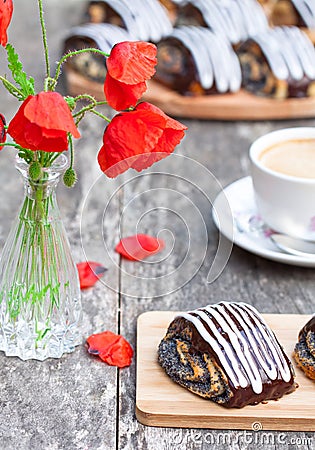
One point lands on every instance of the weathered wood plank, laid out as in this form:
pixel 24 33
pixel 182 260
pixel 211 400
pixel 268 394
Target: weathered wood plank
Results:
pixel 271 287
pixel 68 403
pixel 71 403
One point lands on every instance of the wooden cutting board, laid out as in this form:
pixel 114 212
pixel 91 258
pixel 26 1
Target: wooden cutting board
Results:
pixel 161 402
pixel 239 106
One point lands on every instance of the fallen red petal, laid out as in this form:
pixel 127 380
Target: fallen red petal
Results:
pixel 112 348
pixel 89 273
pixel 139 247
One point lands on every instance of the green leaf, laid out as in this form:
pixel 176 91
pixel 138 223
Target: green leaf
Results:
pixel 25 84
pixel 12 89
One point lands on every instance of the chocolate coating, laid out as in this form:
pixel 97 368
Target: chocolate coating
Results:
pixel 272 389
pixel 268 376
pixel 309 326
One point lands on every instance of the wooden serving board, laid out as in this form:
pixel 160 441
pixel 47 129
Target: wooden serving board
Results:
pixel 161 402
pixel 239 106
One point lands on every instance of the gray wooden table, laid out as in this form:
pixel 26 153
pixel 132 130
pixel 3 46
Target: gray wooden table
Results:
pixel 78 402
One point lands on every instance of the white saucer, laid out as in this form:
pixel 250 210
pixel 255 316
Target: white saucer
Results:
pixel 236 203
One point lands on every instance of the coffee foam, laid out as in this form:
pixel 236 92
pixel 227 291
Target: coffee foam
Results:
pixel 293 157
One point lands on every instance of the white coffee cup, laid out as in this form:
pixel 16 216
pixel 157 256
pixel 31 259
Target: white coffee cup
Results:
pixel 286 203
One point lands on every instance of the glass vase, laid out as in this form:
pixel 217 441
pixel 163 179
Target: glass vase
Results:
pixel 40 301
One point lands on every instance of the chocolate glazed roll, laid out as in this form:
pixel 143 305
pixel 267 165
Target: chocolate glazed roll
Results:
pixel 226 353
pixel 145 20
pixel 278 63
pixel 236 20
pixel 101 36
pixel 304 351
pixel 196 61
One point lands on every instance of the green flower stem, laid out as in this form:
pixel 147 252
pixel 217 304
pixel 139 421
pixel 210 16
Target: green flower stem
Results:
pixel 85 97
pixel 74 53
pixel 33 234
pixel 53 158
pixel 89 108
pixel 44 36
pixel 11 144
pixel 71 150
pixel 16 92
pixel 93 111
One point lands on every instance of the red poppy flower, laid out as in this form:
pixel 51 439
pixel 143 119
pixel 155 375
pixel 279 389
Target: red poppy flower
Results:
pixel 129 65
pixel 138 247
pixel 111 348
pixel 3 131
pixel 89 273
pixel 132 62
pixel 137 139
pixel 6 10
pixel 122 96
pixel 42 123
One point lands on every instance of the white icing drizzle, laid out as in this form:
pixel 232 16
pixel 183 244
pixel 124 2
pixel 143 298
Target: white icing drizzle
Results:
pixel 104 35
pixel 246 353
pixel 306 9
pixel 230 63
pixel 235 19
pixel 305 51
pixel 147 21
pixel 141 25
pixel 184 35
pixel 271 340
pixel 254 17
pixel 124 11
pixel 289 52
pixel 214 58
pixel 214 55
pixel 271 49
pixel 270 369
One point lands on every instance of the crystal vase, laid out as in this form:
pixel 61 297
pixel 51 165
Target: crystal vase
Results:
pixel 40 305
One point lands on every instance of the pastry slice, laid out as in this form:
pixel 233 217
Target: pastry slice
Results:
pixel 196 61
pixel 226 353
pixel 144 20
pixel 235 20
pixel 279 63
pixel 304 351
pixel 102 36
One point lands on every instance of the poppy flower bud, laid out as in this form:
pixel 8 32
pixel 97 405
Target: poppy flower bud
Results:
pixel 70 177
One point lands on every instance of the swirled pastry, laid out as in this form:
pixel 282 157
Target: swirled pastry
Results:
pixel 304 351
pixel 102 36
pixel 236 20
pixel 226 353
pixel 279 63
pixel 194 61
pixel 144 20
